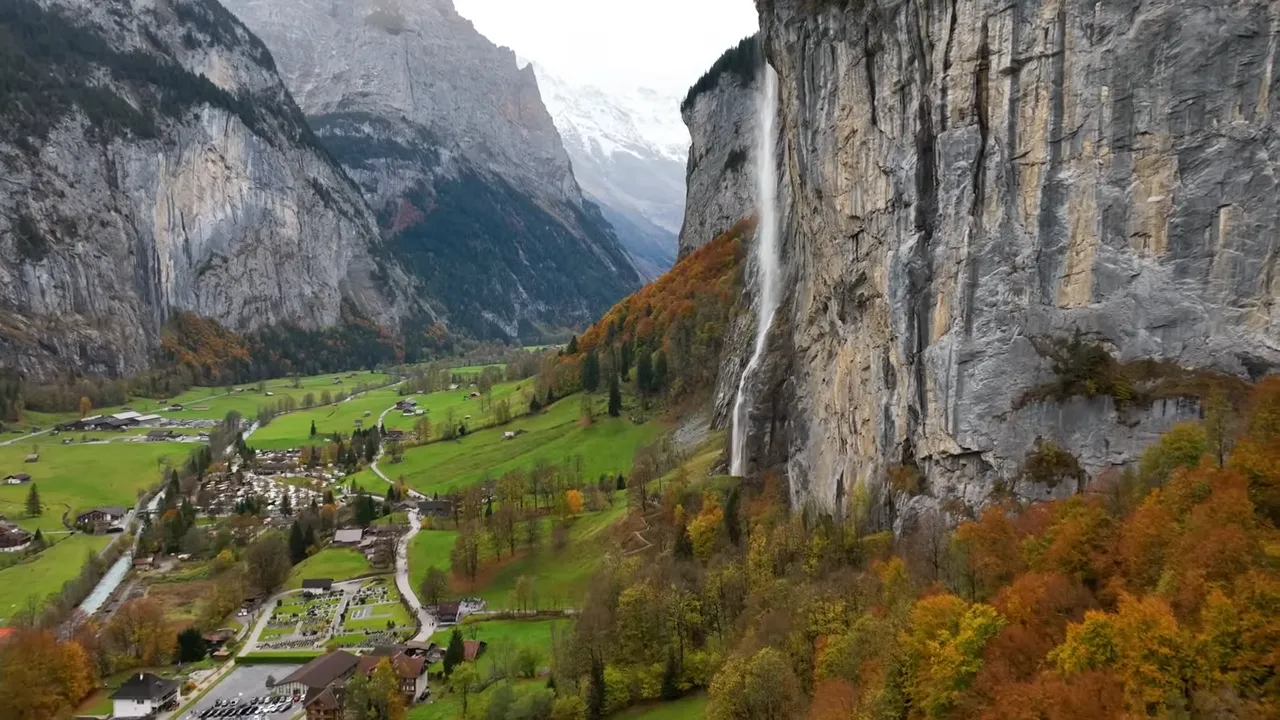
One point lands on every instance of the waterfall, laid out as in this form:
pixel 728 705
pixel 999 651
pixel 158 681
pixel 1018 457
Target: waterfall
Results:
pixel 767 270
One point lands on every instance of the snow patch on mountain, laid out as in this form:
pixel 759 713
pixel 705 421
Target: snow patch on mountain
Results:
pixel 629 148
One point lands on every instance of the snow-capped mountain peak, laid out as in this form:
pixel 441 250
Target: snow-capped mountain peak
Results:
pixel 629 147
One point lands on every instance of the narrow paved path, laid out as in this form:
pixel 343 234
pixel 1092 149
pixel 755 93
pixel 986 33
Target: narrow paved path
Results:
pixel 426 621
pixel 260 624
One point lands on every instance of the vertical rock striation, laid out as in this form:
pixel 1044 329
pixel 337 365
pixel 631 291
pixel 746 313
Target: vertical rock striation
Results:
pixel 970 178
pixel 151 161
pixel 720 112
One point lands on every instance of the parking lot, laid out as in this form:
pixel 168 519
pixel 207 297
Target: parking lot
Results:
pixel 235 696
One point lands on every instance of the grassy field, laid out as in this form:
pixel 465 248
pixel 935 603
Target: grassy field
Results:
pixel 559 578
pixel 214 403
pixel 337 564
pixel 429 548
pixel 46 574
pixel 77 477
pixel 294 429
pixel 554 435
pixel 506 638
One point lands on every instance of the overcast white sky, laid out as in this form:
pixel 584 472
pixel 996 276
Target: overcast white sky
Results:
pixel 662 44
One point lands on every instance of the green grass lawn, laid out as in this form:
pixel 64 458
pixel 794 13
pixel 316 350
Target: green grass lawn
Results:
pixel 337 564
pixel 294 429
pixel 45 575
pixel 78 477
pixel 554 435
pixel 381 613
pixel 559 578
pixel 215 402
pixel 693 707
pixel 506 638
pixel 429 548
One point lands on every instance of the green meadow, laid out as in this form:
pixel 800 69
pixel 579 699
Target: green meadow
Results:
pixel 74 478
pixel 555 435
pixel 336 564
pixel 44 575
pixel 559 577
pixel 294 429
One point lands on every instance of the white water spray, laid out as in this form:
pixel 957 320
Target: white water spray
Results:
pixel 767 270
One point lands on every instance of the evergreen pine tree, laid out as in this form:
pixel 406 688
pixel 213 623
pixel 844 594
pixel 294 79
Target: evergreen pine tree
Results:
pixel 590 371
pixel 684 544
pixel 286 505
pixel 615 398
pixel 309 538
pixel 624 360
pixel 644 372
pixel 573 346
pixel 455 653
pixel 38 539
pixel 596 691
pixel 174 491
pixel 297 545
pixel 660 371
pixel 33 502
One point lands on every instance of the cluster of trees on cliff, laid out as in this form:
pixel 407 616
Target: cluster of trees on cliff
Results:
pixel 744 60
pixel 666 338
pixel 1152 593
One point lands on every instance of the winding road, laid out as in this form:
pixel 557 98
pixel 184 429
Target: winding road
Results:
pixel 426 621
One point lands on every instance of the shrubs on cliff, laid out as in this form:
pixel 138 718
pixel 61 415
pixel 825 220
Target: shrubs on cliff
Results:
pixel 1083 367
pixel 1048 464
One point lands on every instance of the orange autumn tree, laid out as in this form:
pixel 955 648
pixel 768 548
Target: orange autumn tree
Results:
pixel 203 345
pixel 682 316
pixel 42 678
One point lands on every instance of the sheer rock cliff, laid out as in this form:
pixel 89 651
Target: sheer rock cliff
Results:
pixel 972 179
pixel 151 161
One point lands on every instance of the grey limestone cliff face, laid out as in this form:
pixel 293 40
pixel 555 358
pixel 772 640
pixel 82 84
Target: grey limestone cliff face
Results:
pixel 422 63
pixel 155 163
pixel 968 177
pixel 719 175
pixel 455 151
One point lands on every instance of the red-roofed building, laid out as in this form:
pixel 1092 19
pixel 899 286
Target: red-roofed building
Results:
pixel 412 672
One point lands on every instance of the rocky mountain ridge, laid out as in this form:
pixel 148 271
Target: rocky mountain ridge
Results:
pixel 629 151
pixel 154 162
pixel 453 147
pixel 974 184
